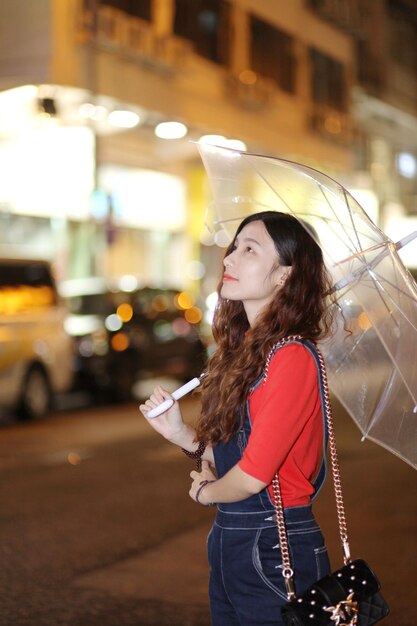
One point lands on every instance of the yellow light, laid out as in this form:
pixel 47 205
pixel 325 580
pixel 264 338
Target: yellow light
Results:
pixel 93 112
pixel 184 300
pixel 333 125
pixel 364 321
pixel 213 140
pixel 123 119
pixel 171 130
pixel 120 342
pixel 193 315
pixel 222 141
pixel 248 77
pixel 125 312
pixel 74 458
pixel 237 144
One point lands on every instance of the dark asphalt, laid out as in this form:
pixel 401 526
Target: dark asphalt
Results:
pixel 115 540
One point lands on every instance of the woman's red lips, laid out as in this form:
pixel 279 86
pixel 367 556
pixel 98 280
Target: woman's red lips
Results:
pixel 228 277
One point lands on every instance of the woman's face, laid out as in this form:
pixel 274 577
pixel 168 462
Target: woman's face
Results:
pixel 252 272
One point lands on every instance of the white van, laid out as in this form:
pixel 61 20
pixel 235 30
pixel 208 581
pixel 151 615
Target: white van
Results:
pixel 36 353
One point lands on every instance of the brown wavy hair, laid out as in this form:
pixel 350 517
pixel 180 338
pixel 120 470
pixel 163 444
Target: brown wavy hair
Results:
pixel 299 307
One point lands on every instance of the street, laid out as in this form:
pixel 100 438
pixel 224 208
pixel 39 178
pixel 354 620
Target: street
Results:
pixel 97 529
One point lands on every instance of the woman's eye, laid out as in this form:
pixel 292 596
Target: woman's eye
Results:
pixel 249 249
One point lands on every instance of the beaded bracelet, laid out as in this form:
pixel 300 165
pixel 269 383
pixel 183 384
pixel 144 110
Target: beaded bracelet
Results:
pixel 197 454
pixel 203 484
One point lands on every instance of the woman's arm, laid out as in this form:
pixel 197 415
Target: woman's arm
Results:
pixel 171 426
pixel 234 486
pixel 185 438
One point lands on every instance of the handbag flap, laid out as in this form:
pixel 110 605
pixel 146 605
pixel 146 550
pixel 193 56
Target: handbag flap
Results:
pixel 355 577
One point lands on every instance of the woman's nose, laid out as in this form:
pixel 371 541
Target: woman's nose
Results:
pixel 227 261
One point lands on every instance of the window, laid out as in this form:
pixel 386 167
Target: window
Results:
pixel 207 24
pixel 136 8
pixel 403 33
pixel 369 65
pixel 342 13
pixel 328 81
pixel 272 54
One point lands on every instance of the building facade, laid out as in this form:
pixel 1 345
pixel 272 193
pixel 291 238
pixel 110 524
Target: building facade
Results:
pixel 384 105
pixel 98 182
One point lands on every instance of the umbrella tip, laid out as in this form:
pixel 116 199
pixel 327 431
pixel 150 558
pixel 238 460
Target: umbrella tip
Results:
pixel 415 409
pixel 363 439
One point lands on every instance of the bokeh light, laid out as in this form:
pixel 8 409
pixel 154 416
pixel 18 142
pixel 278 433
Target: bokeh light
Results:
pixel 120 342
pixel 125 312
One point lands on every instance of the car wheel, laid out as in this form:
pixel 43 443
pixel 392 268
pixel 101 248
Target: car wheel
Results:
pixel 35 399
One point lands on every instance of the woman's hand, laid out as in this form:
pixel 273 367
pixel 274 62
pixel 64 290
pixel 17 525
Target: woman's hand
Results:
pixel 198 477
pixel 234 486
pixel 170 423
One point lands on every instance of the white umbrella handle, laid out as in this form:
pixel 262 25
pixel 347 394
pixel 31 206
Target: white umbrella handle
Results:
pixel 177 394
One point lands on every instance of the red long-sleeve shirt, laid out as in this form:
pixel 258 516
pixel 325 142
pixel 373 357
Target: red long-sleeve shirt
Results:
pixel 287 425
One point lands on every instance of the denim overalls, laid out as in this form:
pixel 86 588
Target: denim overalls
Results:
pixel 246 583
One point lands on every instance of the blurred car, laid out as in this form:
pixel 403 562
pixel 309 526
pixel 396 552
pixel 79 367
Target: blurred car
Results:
pixel 123 335
pixel 35 351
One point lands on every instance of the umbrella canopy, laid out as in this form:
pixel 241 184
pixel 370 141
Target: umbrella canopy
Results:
pixel 372 355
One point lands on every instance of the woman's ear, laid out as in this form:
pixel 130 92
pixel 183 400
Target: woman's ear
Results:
pixel 284 272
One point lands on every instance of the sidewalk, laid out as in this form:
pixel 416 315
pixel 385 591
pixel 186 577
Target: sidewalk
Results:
pixel 174 572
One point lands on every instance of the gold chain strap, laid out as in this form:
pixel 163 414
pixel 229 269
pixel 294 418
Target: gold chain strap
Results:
pixel 287 571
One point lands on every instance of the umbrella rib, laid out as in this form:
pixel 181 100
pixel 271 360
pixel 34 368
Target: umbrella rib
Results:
pixel 394 286
pixel 389 449
pixel 346 356
pixel 370 249
pixel 328 222
pixel 273 189
pixel 355 275
pixel 386 245
pixel 384 342
pixel 294 214
pixel 352 248
pixel 381 286
pixel 370 267
pixel 380 406
pixel 351 218
pixel 377 284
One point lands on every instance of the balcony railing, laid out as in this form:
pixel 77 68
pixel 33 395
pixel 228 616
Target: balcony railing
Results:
pixel 113 30
pixel 333 125
pixel 342 13
pixel 254 93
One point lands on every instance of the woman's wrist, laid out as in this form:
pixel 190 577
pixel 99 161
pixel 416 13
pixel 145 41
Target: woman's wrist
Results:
pixel 201 495
pixel 183 437
pixel 196 454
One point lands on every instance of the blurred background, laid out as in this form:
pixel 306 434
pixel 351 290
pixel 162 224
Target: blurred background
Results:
pixel 100 103
pixel 107 271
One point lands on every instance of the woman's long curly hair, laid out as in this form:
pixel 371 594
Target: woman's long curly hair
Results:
pixel 299 307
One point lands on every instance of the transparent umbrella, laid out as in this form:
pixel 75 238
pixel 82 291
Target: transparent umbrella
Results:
pixel 372 355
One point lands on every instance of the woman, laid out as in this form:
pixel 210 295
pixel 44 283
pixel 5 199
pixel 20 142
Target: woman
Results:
pixel 261 413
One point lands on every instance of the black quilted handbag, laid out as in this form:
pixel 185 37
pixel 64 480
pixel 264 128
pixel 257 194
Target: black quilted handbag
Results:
pixel 347 597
